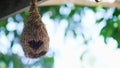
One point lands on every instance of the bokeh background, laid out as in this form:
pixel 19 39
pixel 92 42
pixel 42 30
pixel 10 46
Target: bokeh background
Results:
pixel 80 37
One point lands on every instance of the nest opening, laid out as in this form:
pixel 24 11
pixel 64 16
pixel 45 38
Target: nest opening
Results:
pixel 35 44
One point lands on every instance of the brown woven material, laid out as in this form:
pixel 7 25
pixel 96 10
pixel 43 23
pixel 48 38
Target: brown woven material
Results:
pixel 34 38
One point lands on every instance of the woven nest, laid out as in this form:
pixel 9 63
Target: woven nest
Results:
pixel 34 38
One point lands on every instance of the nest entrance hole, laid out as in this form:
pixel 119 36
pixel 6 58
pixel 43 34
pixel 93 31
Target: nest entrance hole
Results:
pixel 35 44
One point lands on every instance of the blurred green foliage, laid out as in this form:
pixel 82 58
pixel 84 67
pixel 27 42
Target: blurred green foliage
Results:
pixel 111 29
pixel 14 59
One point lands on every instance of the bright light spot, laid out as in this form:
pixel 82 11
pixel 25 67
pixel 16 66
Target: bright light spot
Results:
pixel 11 26
pixel 10 19
pixel 19 27
pixel 112 43
pixel 65 10
pixel 3 64
pixel 119 16
pixel 76 17
pixel 4 43
pixel 19 17
pixel 48 23
pixel 10 36
pixel 70 5
pixel 88 19
pixel 64 22
pixel 109 13
pixel 17 49
pixel 115 25
pixel 100 14
pixel 110 1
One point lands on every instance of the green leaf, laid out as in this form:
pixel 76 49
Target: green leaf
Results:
pixel 43 9
pixel 100 20
pixel 17 63
pixel 3 64
pixel 5 58
pixel 48 62
pixel 118 45
pixel 74 33
pixel 48 59
pixel 3 23
pixel 71 14
pixel 12 44
pixel 25 15
pixel 116 12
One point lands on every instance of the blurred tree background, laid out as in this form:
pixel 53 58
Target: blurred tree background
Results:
pixel 11 28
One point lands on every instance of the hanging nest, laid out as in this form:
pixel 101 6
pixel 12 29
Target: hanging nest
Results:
pixel 34 38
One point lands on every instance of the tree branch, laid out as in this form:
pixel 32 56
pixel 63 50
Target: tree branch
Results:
pixel 11 7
